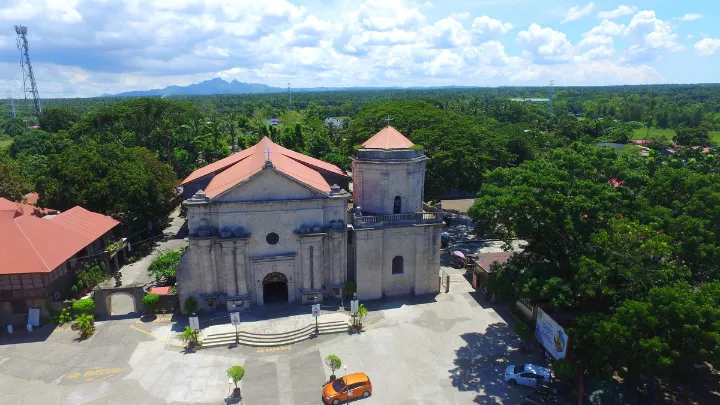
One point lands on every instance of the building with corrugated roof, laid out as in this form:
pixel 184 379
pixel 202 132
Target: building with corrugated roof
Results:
pixel 272 225
pixel 40 249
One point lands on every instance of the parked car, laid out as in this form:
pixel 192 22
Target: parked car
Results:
pixel 351 386
pixel 526 374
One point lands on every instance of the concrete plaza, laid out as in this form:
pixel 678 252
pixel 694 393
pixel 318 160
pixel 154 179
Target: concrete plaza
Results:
pixel 449 349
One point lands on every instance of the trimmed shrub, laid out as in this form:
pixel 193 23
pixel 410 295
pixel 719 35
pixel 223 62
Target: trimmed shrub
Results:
pixel 84 306
pixel 151 301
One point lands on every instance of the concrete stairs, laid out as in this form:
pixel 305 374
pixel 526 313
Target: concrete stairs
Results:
pixel 275 339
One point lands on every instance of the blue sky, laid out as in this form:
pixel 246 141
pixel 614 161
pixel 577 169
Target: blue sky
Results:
pixel 83 48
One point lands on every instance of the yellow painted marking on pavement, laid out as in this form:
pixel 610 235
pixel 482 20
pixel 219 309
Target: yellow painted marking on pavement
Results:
pixel 93 400
pixel 376 324
pixel 170 341
pixel 274 349
pixel 156 320
pixel 90 375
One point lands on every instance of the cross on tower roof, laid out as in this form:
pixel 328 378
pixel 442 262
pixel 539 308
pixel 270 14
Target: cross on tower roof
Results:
pixel 388 119
pixel 267 154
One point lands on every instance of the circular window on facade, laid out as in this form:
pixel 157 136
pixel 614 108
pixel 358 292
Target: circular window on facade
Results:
pixel 272 238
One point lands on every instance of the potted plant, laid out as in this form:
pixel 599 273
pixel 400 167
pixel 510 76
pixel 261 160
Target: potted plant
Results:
pixel 150 302
pixel 334 363
pixel 361 314
pixel 86 325
pixel 191 338
pixel 236 373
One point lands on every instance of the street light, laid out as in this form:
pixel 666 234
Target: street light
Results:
pixel 317 331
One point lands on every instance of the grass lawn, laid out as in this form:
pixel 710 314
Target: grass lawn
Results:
pixel 668 134
pixel 5 143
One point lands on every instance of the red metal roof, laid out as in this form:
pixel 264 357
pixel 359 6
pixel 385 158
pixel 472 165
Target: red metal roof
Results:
pixel 29 244
pixel 388 138
pixel 31 198
pixel 24 209
pixel 245 168
pixel 230 172
pixel 486 260
pixel 220 165
pixel 160 290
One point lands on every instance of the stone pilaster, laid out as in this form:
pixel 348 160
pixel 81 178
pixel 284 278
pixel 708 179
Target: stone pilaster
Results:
pixel 228 254
pixel 241 268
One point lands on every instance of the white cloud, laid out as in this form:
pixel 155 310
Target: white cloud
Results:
pixel 618 12
pixel 544 45
pixel 446 33
pixel 101 46
pixel 690 36
pixel 485 28
pixel 577 12
pixel 649 36
pixel 606 28
pixel 707 46
pixel 691 17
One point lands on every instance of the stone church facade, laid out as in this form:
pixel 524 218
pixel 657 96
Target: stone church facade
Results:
pixel 268 224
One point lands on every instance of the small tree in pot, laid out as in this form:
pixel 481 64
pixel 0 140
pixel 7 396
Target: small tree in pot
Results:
pixel 150 302
pixel 236 373
pixel 190 337
pixel 85 324
pixel 191 305
pixel 334 363
pixel 361 314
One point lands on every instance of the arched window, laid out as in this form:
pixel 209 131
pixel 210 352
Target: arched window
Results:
pixel 397 265
pixel 397 205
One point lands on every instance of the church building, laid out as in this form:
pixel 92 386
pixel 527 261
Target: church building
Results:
pixel 268 224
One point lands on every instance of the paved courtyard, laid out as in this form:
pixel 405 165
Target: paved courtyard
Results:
pixel 449 349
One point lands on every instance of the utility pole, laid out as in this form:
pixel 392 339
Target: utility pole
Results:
pixel 29 85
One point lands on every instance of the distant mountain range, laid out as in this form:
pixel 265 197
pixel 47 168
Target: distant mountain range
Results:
pixel 220 86
pixel 213 86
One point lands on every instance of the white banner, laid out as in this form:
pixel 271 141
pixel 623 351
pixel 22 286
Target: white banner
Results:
pixel 316 310
pixel 551 335
pixel 354 306
pixel 194 323
pixel 235 318
pixel 34 317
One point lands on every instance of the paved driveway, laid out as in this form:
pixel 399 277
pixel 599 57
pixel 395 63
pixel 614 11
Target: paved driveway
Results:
pixel 444 350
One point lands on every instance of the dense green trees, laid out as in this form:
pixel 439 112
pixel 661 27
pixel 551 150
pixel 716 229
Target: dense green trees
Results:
pixel 608 241
pixel 55 119
pixel 109 179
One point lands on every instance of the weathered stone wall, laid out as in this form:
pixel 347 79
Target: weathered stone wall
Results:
pixel 377 183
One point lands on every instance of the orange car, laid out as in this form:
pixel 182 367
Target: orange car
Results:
pixel 350 387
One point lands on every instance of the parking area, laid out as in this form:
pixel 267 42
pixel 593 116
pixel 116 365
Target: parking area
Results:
pixel 449 349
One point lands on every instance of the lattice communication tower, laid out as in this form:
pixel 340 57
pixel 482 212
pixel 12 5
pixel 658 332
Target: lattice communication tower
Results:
pixel 10 104
pixel 29 85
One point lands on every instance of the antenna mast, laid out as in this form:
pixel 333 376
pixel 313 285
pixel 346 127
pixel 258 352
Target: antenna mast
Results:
pixel 10 104
pixel 29 85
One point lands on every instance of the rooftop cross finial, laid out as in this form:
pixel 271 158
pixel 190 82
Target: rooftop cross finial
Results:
pixel 267 154
pixel 388 119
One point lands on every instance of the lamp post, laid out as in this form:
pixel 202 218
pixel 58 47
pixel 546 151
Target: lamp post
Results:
pixel 317 331
pixel 347 388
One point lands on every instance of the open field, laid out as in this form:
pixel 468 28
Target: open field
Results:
pixel 668 134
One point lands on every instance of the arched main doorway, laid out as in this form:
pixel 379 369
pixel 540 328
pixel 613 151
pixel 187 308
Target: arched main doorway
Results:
pixel 275 288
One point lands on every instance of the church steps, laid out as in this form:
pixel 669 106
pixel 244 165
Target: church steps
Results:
pixel 272 340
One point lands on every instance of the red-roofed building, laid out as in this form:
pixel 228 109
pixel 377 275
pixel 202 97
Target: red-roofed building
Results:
pixel 272 225
pixel 222 175
pixel 38 256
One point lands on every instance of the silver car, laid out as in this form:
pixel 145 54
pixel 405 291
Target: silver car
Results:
pixel 526 374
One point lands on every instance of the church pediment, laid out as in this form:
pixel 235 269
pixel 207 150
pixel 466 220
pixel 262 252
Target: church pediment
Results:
pixel 269 185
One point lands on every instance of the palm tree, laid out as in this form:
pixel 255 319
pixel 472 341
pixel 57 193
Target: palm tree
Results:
pixel 190 337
